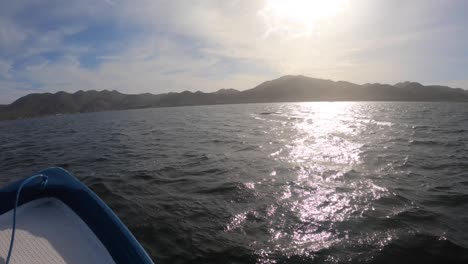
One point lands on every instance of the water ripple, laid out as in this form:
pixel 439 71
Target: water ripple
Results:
pixel 332 182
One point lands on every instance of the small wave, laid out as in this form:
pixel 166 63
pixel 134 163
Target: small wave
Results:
pixel 415 215
pixel 224 189
pixel 382 123
pixel 449 199
pixel 270 113
pixel 432 142
pixel 441 165
pixel 422 127
pixel 422 248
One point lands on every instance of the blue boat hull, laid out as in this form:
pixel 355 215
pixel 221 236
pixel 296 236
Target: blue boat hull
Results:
pixel 109 229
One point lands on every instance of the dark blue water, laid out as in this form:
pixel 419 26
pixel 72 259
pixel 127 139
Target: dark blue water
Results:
pixel 268 183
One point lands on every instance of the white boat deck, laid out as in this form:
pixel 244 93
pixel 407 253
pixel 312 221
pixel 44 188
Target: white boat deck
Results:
pixel 49 232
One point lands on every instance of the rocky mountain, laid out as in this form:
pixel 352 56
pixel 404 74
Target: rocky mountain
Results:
pixel 285 89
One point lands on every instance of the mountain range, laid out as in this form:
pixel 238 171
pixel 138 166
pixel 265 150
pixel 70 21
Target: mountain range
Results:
pixel 285 89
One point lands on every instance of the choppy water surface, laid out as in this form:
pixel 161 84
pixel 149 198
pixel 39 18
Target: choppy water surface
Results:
pixel 268 183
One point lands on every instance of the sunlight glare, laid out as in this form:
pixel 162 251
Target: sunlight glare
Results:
pixel 297 18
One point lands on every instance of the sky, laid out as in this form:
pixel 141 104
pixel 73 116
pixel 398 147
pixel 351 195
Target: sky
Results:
pixel 157 46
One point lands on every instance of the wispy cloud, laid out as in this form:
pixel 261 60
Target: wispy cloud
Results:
pixel 160 46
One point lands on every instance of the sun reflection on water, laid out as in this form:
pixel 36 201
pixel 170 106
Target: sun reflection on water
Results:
pixel 321 143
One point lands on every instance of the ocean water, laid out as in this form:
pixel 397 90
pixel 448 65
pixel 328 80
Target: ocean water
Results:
pixel 331 182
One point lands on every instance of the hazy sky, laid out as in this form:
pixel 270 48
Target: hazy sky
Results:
pixel 155 46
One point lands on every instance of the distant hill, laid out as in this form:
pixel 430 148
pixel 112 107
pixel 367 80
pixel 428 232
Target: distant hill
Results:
pixel 285 89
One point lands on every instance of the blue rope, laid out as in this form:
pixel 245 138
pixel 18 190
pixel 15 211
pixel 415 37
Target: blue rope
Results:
pixel 18 192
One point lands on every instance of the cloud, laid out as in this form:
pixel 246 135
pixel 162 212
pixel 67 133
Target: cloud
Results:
pixel 139 69
pixel 160 46
pixel 156 59
pixel 370 40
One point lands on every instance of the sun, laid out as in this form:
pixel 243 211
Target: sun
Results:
pixel 297 18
